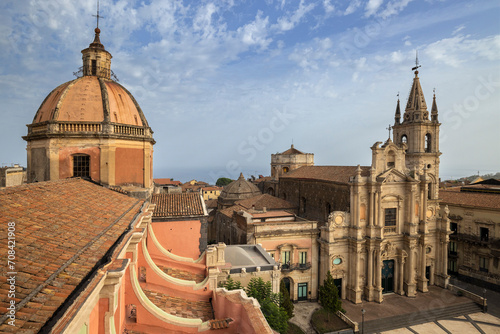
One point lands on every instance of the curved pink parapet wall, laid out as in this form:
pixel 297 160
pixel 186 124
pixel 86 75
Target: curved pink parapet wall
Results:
pixel 159 281
pixel 181 238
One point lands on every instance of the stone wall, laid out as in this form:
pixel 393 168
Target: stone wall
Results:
pixel 321 197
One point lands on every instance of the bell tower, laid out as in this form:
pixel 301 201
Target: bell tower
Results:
pixel 420 134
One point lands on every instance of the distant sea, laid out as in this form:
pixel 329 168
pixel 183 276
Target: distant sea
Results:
pixel 209 175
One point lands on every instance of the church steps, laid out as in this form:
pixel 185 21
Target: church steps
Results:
pixel 400 321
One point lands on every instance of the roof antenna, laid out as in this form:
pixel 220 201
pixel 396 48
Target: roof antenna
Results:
pixel 416 62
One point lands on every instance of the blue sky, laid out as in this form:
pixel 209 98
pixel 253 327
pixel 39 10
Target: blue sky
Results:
pixel 225 84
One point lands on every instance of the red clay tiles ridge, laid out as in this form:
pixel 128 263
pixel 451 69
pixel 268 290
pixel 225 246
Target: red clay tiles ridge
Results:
pixel 472 199
pixel 177 205
pixel 167 182
pixel 63 229
pixel 265 201
pixel 338 174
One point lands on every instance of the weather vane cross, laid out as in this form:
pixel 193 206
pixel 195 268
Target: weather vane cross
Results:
pixel 417 65
pixel 97 16
pixel 389 128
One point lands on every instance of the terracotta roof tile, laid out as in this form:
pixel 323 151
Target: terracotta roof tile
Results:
pixel 476 199
pixel 167 182
pixel 211 203
pixel 178 205
pixel 338 174
pixel 265 201
pixel 229 211
pixel 63 228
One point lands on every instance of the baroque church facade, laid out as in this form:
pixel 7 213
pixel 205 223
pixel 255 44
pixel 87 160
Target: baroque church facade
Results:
pixel 380 228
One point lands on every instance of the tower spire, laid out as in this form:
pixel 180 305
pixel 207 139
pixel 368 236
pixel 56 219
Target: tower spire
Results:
pixel 434 109
pixel 397 116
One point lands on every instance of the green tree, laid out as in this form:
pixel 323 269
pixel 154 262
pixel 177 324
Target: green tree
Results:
pixel 231 284
pixel 276 316
pixel 223 181
pixel 329 295
pixel 286 303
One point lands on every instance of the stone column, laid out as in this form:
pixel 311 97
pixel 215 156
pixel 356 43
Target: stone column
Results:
pixel 411 286
pixel 369 274
pixel 371 208
pixel 378 275
pixel 401 275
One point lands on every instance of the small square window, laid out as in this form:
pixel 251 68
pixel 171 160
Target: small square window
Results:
pixel 453 228
pixel 483 264
pixel 484 231
pixel 81 166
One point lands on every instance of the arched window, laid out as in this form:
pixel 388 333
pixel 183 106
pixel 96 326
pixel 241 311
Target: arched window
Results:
pixel 270 191
pixel 285 170
pixel 81 165
pixel 404 139
pixel 428 142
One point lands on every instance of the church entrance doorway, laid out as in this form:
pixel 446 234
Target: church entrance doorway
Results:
pixel 388 276
pixel 338 284
pixel 302 291
pixel 286 281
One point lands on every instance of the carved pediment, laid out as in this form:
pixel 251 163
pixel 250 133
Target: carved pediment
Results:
pixel 394 175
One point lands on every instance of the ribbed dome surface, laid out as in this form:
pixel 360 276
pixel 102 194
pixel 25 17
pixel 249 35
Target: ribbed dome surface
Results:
pixel 239 189
pixel 90 99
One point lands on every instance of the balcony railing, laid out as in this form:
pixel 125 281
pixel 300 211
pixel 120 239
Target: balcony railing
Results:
pixel 295 266
pixel 390 229
pixel 474 239
pixel 87 127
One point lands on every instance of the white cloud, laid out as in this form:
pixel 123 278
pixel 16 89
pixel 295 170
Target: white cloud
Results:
pixel 353 6
pixel 458 49
pixel 329 8
pixel 289 22
pixel 458 29
pixel 394 7
pixel 315 55
pixel 372 6
pixel 255 33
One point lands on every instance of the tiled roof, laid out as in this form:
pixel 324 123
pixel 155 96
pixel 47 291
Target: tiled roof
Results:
pixel 212 188
pixel 62 230
pixel 229 211
pixel 211 204
pixel 262 179
pixel 292 150
pixel 339 174
pixel 265 201
pixel 475 199
pixel 167 182
pixel 178 205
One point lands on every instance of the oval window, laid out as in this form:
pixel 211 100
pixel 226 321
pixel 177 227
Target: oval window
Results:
pixel 337 260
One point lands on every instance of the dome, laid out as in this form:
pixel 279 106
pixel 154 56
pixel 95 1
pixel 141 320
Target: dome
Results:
pixel 92 127
pixel 90 99
pixel 91 105
pixel 238 190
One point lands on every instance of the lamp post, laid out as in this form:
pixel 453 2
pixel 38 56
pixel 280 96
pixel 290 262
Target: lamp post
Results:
pixel 363 321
